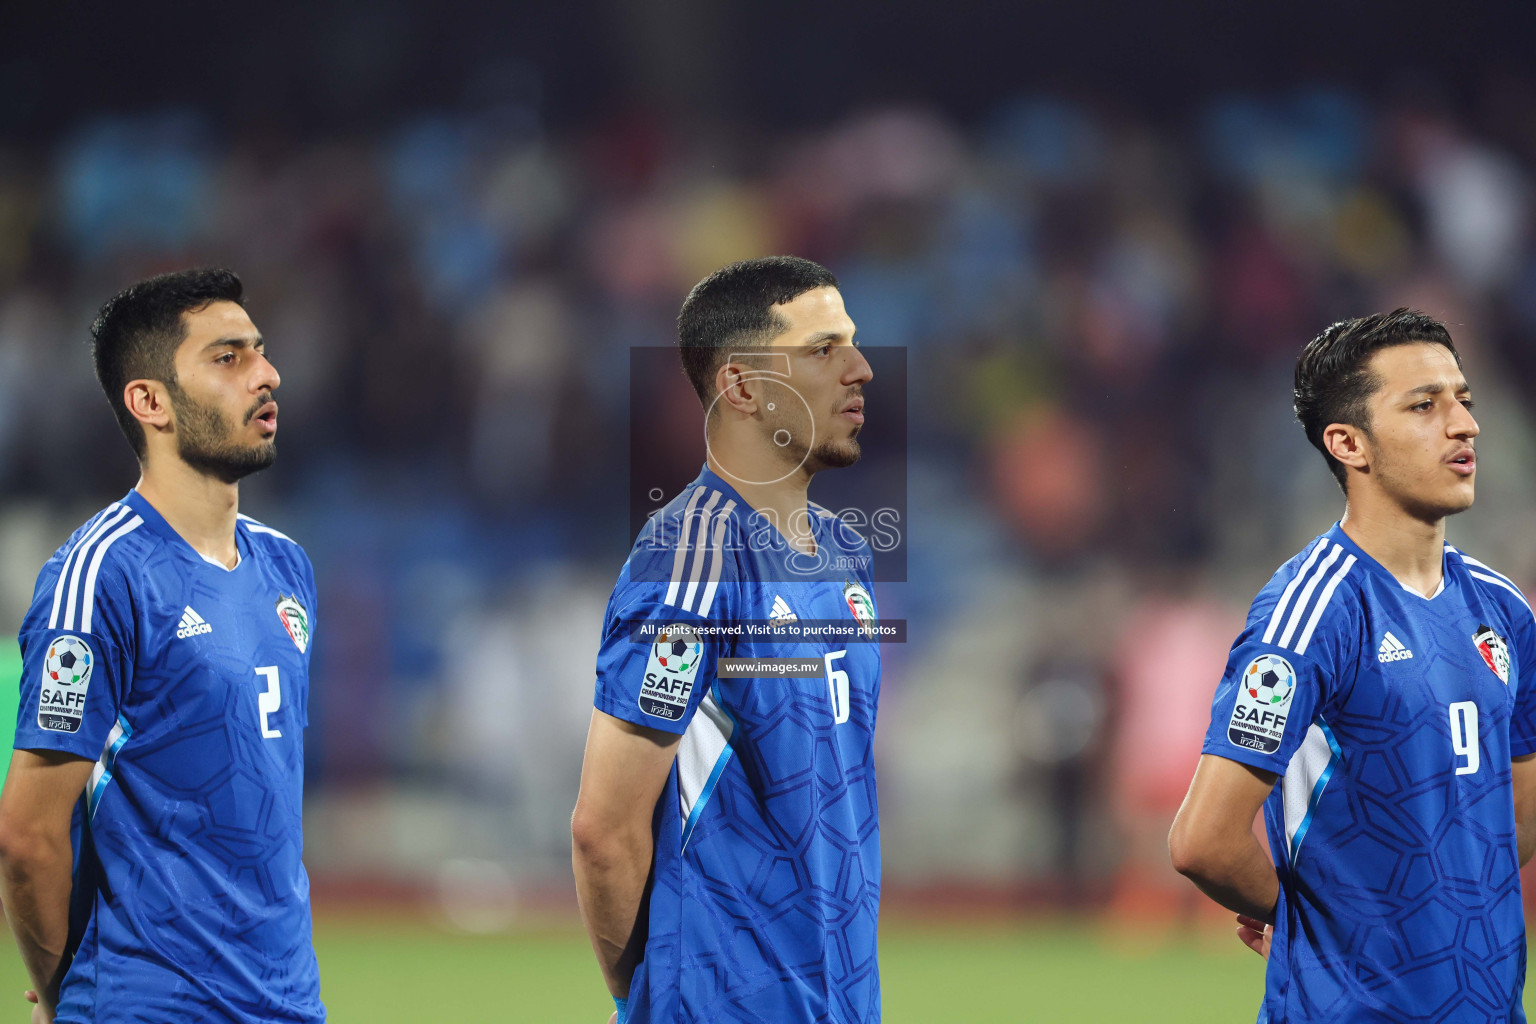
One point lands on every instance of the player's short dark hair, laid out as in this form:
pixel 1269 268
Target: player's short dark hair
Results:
pixel 732 309
pixel 137 331
pixel 1334 383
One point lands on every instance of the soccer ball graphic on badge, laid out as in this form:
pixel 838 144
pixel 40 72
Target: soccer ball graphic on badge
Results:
pixel 68 662
pixel 1270 680
pixel 677 649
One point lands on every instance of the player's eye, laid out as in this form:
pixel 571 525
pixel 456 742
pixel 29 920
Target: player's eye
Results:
pixel 1467 403
pixel 227 357
pixel 1423 406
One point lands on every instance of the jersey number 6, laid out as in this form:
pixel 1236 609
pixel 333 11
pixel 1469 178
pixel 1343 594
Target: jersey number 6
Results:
pixel 1464 736
pixel 269 701
pixel 837 687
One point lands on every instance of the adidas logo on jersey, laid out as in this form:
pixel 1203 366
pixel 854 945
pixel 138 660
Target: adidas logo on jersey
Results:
pixel 192 624
pixel 1392 649
pixel 781 612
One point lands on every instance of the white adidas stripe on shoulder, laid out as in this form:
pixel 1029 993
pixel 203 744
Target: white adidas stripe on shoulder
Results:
pixel 1488 575
pixel 717 555
pixel 1290 589
pixel 257 527
pixel 679 557
pixel 104 520
pixel 697 561
pixel 76 586
pixel 1325 567
pixel 1322 602
pixel 88 593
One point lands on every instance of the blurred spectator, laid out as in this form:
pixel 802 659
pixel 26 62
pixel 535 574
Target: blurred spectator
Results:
pixel 1100 313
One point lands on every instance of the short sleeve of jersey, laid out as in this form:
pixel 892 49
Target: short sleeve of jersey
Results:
pixel 1277 681
pixel 1522 722
pixel 663 634
pixel 77 661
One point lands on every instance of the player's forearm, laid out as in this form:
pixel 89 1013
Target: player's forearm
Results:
pixel 611 874
pixel 35 880
pixel 1237 874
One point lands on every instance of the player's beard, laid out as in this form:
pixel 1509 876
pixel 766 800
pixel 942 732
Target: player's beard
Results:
pixel 204 439
pixel 825 454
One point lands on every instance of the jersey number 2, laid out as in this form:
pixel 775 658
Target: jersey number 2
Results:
pixel 269 701
pixel 1464 736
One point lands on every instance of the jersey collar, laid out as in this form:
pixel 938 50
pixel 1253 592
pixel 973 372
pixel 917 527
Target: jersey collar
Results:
pixel 156 523
pixel 1338 536
pixel 709 478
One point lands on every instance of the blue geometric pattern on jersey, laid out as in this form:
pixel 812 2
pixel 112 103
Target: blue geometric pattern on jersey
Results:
pixel 1404 904
pixel 765 900
pixel 191 900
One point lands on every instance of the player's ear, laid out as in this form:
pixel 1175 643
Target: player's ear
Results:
pixel 736 388
pixel 1347 444
pixel 149 403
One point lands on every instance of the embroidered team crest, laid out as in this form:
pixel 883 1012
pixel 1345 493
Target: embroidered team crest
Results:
pixel 862 606
pixel 1494 650
pixel 295 620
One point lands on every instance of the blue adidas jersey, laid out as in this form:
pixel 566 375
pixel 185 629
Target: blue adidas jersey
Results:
pixel 1392 719
pixel 186 682
pixel 766 887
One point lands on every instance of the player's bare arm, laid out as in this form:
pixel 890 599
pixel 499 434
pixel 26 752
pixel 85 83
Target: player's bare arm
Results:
pixel 1212 841
pixel 622 774
pixel 1523 770
pixel 37 860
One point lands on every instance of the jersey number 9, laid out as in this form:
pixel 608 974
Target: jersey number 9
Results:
pixel 1464 736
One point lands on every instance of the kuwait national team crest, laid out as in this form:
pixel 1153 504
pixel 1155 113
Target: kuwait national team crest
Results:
pixel 1494 650
pixel 295 620
pixel 862 606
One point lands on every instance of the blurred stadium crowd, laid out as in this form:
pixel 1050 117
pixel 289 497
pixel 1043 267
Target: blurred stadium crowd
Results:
pixel 1099 315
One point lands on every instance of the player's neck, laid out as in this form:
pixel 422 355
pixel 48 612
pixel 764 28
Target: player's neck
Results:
pixel 201 508
pixel 783 501
pixel 1410 548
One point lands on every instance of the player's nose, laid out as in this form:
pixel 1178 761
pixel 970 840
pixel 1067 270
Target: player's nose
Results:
pixel 266 378
pixel 858 370
pixel 1464 424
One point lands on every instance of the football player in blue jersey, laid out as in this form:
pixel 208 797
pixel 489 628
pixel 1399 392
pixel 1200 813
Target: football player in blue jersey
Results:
pixel 726 842
pixel 1387 682
pixel 149 826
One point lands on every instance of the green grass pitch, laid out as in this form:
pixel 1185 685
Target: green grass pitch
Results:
pixel 1043 972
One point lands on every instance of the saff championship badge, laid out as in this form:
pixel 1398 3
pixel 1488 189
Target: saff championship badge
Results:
pixel 669 672
pixel 66 680
pixel 1264 694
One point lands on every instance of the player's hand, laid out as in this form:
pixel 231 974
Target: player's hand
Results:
pixel 1255 934
pixel 40 1015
